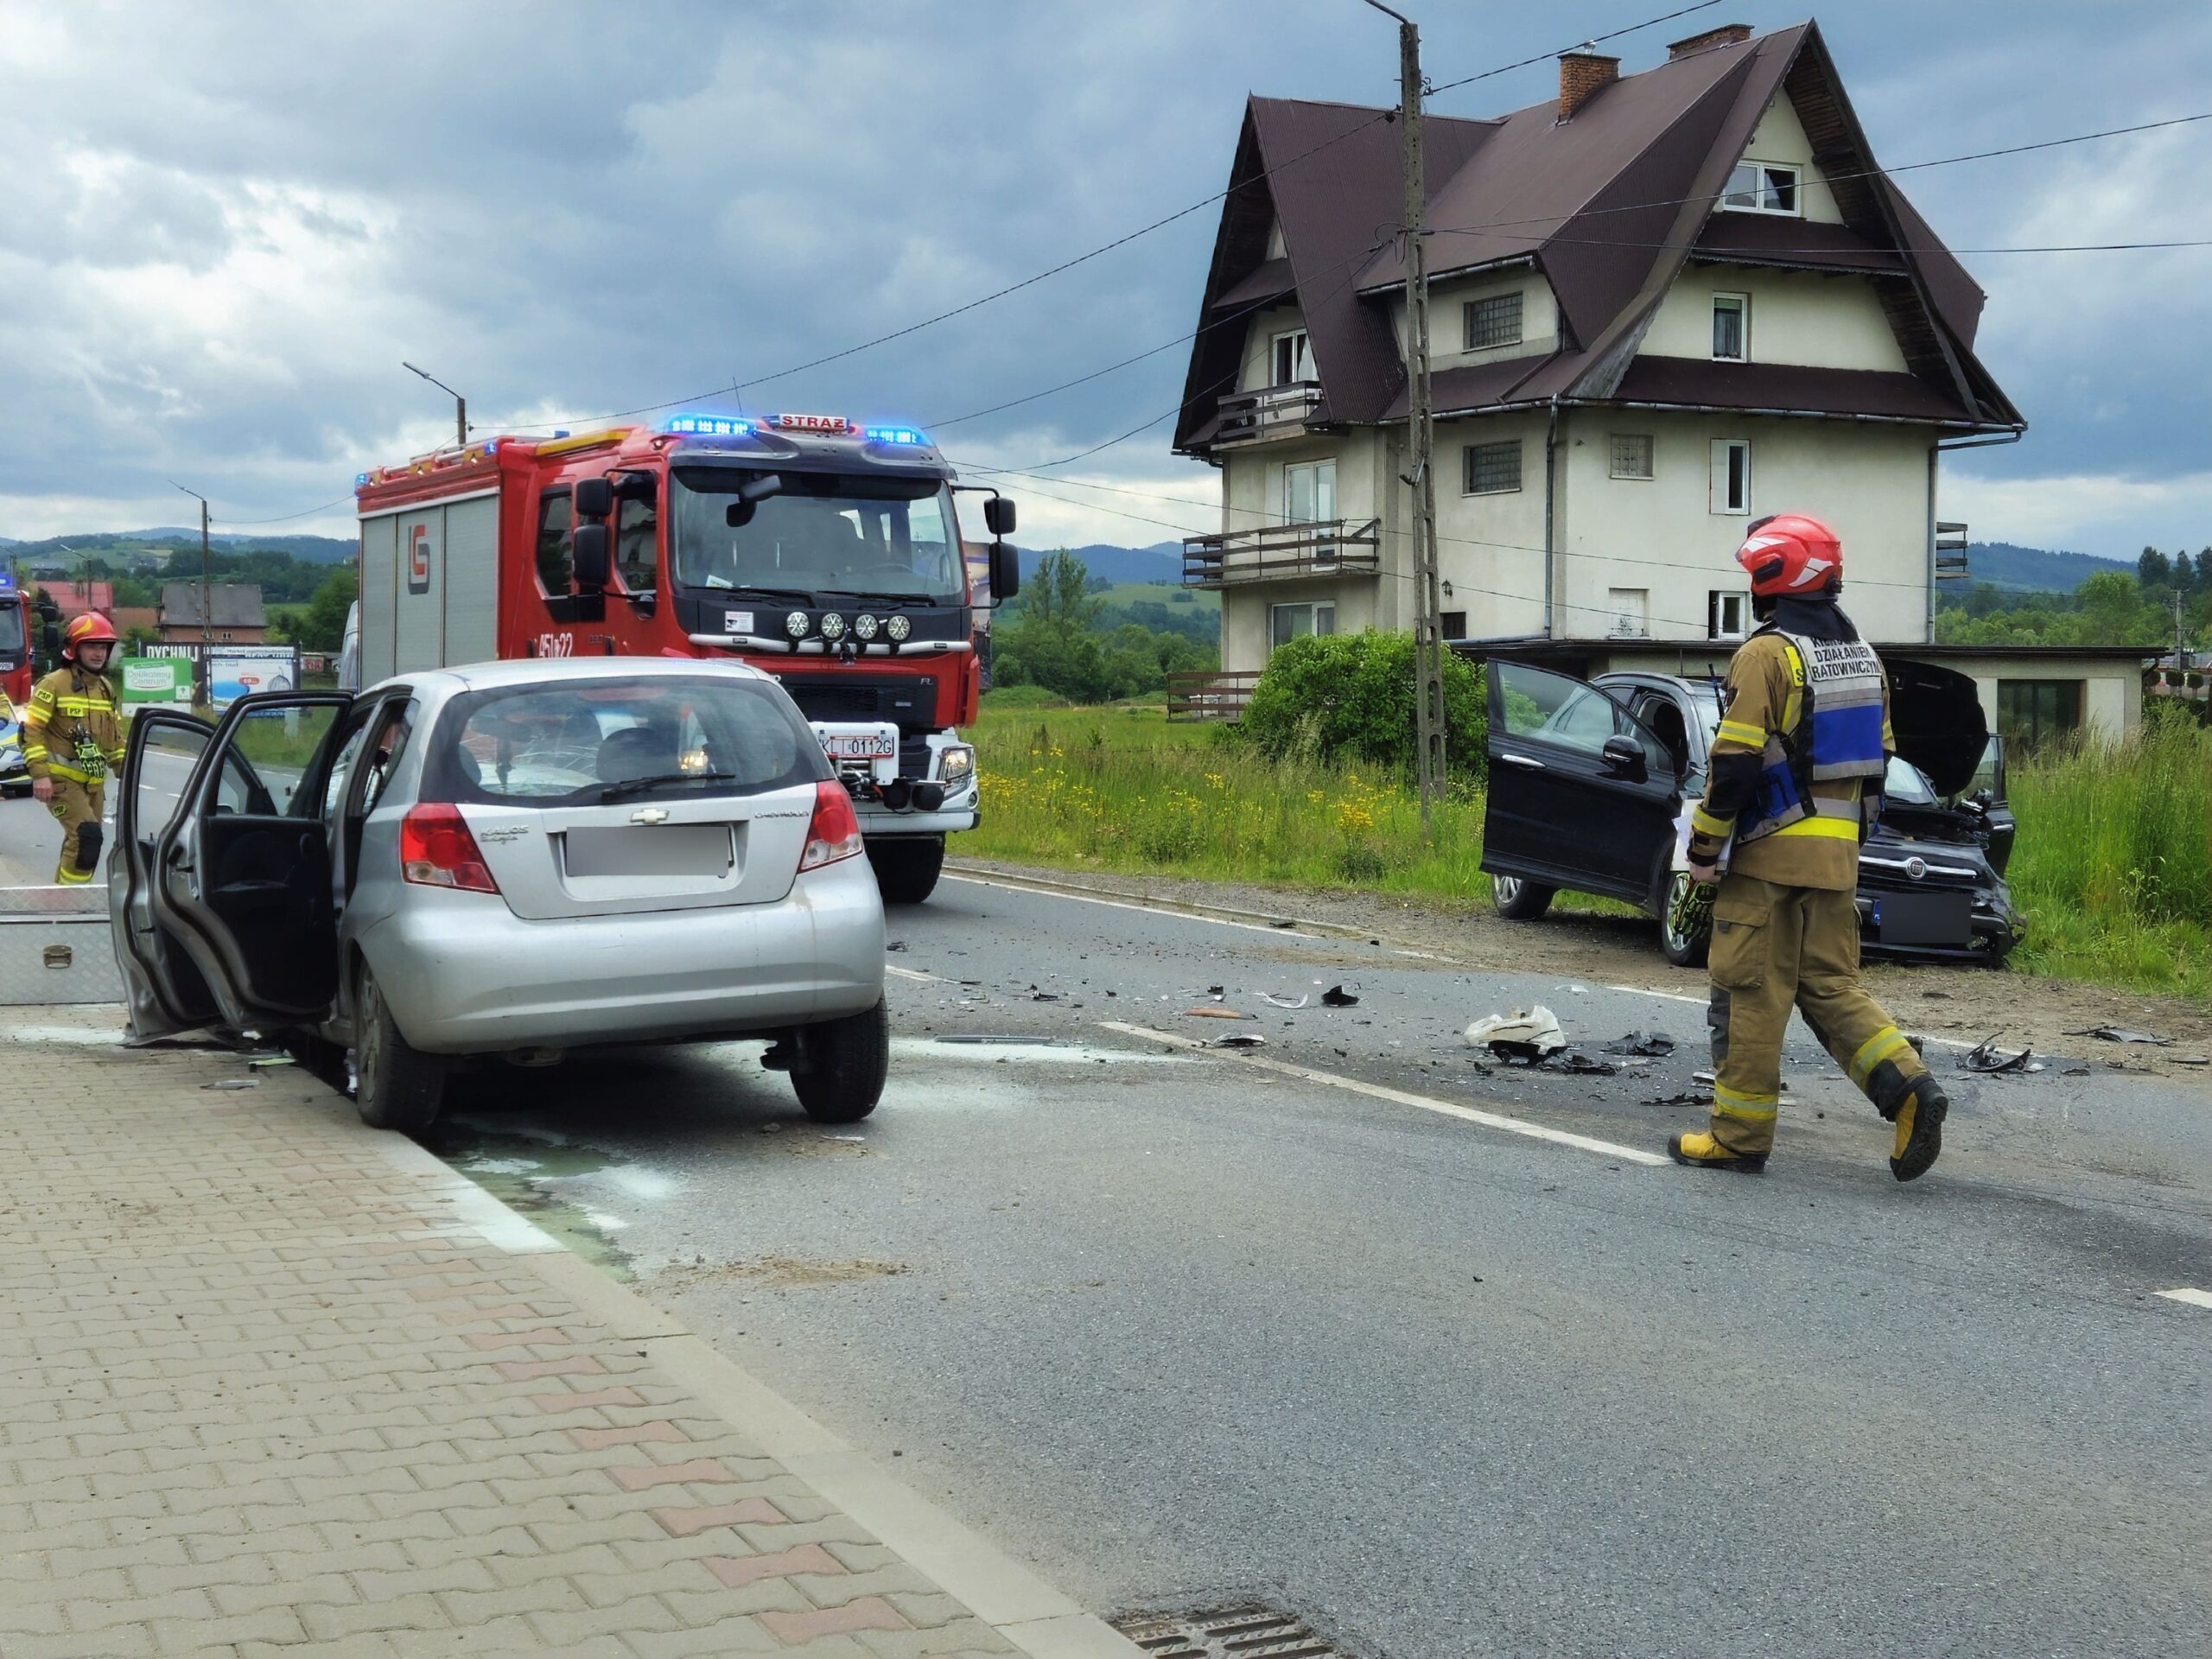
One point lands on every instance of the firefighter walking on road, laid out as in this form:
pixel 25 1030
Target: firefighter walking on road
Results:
pixel 72 738
pixel 1796 786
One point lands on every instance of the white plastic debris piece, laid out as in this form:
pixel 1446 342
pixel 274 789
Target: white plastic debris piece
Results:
pixel 1529 1033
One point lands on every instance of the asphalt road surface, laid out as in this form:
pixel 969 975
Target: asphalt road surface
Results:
pixel 1449 1361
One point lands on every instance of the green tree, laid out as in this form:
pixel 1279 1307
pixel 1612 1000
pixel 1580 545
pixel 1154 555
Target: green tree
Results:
pixel 1349 696
pixel 2154 568
pixel 321 626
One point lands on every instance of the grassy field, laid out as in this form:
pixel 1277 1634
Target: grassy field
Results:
pixel 2112 865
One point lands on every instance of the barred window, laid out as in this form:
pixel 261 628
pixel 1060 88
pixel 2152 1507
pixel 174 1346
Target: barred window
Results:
pixel 1631 454
pixel 1492 468
pixel 1493 321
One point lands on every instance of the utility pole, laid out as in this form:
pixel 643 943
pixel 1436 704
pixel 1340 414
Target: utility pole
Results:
pixel 1420 434
pixel 207 607
pixel 459 404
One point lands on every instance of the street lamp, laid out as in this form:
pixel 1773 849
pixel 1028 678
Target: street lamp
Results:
pixel 206 606
pixel 460 403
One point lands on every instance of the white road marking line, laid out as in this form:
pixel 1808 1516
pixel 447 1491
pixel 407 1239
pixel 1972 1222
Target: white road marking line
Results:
pixel 1700 1002
pixel 1149 910
pixel 2194 1298
pixel 912 973
pixel 1399 1096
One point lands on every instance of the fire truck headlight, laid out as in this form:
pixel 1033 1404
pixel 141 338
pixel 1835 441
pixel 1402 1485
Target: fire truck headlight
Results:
pixel 795 624
pixel 898 627
pixel 833 626
pixel 864 625
pixel 955 765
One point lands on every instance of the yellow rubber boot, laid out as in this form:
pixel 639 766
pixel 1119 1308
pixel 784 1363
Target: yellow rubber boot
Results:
pixel 1920 1130
pixel 1701 1151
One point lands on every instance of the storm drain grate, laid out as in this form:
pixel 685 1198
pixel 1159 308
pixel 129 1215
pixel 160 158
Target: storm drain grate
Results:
pixel 1238 1633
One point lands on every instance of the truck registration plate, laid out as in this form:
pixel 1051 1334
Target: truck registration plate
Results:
pixel 870 746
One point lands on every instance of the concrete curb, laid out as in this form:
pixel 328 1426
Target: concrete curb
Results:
pixel 1035 1617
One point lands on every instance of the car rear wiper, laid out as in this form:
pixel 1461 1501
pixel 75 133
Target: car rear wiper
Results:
pixel 638 785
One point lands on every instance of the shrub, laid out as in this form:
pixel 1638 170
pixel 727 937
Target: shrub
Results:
pixel 1349 697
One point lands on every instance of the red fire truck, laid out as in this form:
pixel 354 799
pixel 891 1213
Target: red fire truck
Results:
pixel 15 642
pixel 822 552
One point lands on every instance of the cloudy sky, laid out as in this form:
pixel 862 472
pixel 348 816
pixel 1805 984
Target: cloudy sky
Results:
pixel 222 226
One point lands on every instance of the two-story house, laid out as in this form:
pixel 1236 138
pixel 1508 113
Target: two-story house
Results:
pixel 1660 306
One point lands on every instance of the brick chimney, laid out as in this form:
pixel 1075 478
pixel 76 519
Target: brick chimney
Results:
pixel 1580 74
pixel 1727 35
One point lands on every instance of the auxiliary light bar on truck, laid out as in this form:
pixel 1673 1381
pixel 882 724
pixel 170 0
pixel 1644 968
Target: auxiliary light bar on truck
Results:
pixel 744 426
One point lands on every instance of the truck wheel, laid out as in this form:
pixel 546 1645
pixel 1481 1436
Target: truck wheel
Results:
pixel 396 1087
pixel 846 1061
pixel 1518 901
pixel 1686 946
pixel 907 867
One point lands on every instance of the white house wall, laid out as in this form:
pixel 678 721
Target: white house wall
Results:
pixel 1447 329
pixel 1258 371
pixel 1489 548
pixel 1780 138
pixel 1797 316
pixel 1869 481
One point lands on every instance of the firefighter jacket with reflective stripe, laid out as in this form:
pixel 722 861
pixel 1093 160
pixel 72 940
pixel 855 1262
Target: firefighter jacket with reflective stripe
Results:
pixel 72 727
pixel 1807 721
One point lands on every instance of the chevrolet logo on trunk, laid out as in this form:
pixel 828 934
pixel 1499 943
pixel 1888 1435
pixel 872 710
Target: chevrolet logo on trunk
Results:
pixel 649 815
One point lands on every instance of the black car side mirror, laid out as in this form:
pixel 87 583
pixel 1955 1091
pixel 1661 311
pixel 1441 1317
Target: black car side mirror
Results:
pixel 998 516
pixel 1006 572
pixel 1624 755
pixel 594 565
pixel 595 498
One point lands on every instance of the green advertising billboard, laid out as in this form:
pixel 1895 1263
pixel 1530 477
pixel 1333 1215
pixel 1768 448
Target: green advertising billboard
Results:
pixel 157 679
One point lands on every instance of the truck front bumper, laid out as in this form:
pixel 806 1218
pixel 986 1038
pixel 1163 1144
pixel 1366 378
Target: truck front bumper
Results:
pixel 959 812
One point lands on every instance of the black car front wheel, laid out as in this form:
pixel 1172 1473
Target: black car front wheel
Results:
pixel 846 1063
pixel 1685 923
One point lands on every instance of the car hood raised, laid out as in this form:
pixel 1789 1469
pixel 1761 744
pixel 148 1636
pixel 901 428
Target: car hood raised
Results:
pixel 1936 716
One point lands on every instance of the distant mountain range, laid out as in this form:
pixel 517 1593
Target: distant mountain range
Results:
pixel 1161 561
pixel 2033 569
pixel 116 544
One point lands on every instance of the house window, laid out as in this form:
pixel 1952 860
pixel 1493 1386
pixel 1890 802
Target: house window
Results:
pixel 1493 321
pixel 1490 468
pixel 2031 713
pixel 1631 454
pixel 1287 622
pixel 1629 609
pixel 1454 623
pixel 1294 359
pixel 1731 475
pixel 1731 327
pixel 1727 614
pixel 555 540
pixel 1309 492
pixel 1762 188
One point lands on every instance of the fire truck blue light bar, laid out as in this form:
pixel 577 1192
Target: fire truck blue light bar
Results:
pixel 710 426
pixel 895 434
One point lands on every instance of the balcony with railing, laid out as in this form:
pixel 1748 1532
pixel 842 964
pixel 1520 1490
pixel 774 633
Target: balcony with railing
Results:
pixel 1950 552
pixel 1333 547
pixel 1271 412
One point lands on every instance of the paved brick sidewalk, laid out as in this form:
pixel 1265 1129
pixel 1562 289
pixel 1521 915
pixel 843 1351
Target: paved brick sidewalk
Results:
pixel 264 1391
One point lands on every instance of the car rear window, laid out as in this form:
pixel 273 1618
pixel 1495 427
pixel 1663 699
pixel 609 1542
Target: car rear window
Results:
pixel 563 742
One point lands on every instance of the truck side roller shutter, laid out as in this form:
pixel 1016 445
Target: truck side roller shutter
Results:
pixel 380 577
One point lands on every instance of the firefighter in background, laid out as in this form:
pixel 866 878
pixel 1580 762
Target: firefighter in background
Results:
pixel 73 737
pixel 1796 786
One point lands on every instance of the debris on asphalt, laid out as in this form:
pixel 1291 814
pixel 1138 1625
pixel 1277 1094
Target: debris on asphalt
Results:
pixel 1240 1040
pixel 1701 1076
pixel 1521 1034
pixel 1337 997
pixel 2075 1071
pixel 1282 922
pixel 1207 1011
pixel 1656 1047
pixel 272 1059
pixel 2192 1059
pixel 1283 1001
pixel 1578 1064
pixel 1687 1097
pixel 1986 1058
pixel 1937 996
pixel 896 944
pixel 2121 1034
pixel 233 1082
pixel 1216 990
pixel 1036 995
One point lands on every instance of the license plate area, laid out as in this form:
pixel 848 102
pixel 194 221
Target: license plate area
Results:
pixel 870 746
pixel 1924 918
pixel 691 849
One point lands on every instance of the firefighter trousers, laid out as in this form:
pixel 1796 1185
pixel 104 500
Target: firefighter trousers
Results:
pixel 1775 947
pixel 78 805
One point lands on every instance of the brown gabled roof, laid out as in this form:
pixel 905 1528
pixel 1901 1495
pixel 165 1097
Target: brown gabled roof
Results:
pixel 1610 203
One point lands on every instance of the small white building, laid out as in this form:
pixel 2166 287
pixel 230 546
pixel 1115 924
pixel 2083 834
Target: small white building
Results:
pixel 1661 305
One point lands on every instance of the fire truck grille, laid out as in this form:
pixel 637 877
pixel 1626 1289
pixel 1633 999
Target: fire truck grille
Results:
pixel 909 700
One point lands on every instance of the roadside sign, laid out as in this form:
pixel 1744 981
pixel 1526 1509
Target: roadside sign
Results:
pixel 157 679
pixel 235 671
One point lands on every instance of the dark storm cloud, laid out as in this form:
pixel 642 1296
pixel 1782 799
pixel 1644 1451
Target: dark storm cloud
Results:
pixel 222 226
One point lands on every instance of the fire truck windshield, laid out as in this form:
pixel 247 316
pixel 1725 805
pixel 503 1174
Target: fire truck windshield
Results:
pixel 819 532
pixel 11 628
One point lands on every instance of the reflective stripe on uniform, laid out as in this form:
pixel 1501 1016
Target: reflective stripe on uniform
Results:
pixel 73 878
pixel 1753 1109
pixel 1706 824
pixel 1737 731
pixel 71 772
pixel 1823 829
pixel 1882 1045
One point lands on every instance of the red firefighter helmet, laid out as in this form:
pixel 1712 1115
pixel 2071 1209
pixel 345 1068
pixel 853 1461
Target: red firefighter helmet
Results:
pixel 90 629
pixel 1791 553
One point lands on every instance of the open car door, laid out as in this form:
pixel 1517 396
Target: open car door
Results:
pixel 237 882
pixel 1582 794
pixel 165 993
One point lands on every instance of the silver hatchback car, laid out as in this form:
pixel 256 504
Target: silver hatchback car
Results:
pixel 508 860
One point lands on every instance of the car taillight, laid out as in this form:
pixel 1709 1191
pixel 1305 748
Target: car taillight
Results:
pixel 437 851
pixel 835 832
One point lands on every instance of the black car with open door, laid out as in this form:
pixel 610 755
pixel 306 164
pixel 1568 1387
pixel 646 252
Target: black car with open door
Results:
pixel 1576 801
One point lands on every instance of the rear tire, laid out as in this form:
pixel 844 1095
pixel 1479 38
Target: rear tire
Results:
pixel 1684 949
pixel 845 1064
pixel 907 867
pixel 1518 901
pixel 396 1086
